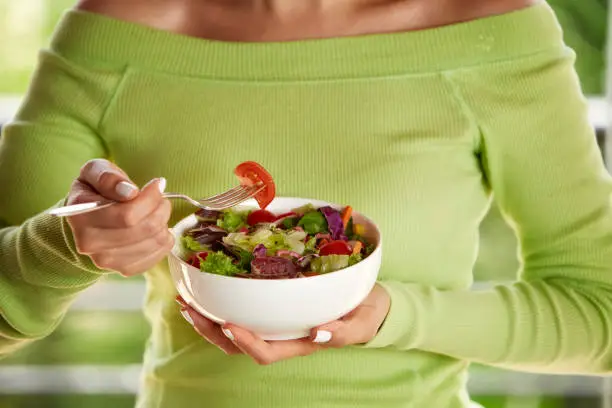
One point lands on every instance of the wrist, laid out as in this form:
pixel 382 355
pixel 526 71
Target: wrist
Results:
pixel 399 328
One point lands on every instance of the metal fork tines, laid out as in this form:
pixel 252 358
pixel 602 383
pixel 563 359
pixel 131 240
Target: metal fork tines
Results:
pixel 224 200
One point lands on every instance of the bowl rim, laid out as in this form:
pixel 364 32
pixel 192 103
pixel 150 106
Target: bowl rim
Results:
pixel 343 271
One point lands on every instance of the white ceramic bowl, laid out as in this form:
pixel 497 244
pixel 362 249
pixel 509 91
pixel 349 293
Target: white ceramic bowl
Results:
pixel 280 309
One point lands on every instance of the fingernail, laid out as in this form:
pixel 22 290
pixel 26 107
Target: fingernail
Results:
pixel 125 189
pixel 187 317
pixel 228 333
pixel 99 168
pixel 162 184
pixel 323 336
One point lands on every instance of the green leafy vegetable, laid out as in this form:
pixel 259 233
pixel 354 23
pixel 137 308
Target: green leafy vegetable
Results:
pixel 306 208
pixel 329 263
pixel 192 245
pixel 369 248
pixel 290 222
pixel 244 257
pixel 232 221
pixel 313 222
pixel 354 258
pixel 220 264
pixel 310 245
pixel 349 229
pixel 272 239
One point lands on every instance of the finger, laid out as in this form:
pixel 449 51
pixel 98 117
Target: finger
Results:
pixel 138 257
pixel 265 353
pixel 210 331
pixel 96 240
pixel 127 214
pixel 179 299
pixel 354 328
pixel 108 180
pixel 146 263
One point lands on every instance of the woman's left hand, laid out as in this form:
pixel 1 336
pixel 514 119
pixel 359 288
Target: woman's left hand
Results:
pixel 357 327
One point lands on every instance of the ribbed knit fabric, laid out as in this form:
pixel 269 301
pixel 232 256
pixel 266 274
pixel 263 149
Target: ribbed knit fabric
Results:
pixel 417 130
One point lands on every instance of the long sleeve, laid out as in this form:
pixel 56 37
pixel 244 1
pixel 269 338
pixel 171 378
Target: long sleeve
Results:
pixel 41 152
pixel 539 156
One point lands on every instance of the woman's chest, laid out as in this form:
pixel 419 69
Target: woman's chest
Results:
pixel 408 163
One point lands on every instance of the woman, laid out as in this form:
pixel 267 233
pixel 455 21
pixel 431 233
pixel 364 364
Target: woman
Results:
pixel 415 112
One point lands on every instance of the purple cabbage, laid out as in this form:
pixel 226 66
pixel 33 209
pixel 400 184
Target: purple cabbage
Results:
pixel 305 260
pixel 207 216
pixel 241 257
pixel 207 234
pixel 259 251
pixel 334 223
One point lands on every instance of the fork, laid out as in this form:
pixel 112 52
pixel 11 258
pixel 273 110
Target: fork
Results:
pixel 217 202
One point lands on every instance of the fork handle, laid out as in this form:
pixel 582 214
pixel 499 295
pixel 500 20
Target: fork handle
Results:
pixel 75 209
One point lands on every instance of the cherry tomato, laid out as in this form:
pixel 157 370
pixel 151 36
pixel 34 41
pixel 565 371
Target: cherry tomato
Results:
pixel 194 260
pixel 338 247
pixel 258 216
pixel 250 173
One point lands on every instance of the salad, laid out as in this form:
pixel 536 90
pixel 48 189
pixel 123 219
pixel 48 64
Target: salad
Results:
pixel 258 244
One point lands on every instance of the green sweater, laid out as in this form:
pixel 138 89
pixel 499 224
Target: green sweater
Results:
pixel 418 130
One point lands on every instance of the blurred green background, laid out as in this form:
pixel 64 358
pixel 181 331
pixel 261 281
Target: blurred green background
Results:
pixel 105 329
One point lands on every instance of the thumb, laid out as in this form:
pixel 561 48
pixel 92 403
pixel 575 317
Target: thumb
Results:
pixel 354 328
pixel 108 180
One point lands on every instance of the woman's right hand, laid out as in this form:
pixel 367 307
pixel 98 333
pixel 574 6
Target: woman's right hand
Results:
pixel 129 237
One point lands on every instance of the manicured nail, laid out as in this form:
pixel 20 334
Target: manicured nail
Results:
pixel 323 336
pixel 228 333
pixel 126 189
pixel 187 317
pixel 162 184
pixel 179 300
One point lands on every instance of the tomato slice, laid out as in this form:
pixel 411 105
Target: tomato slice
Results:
pixel 194 260
pixel 338 247
pixel 258 216
pixel 250 173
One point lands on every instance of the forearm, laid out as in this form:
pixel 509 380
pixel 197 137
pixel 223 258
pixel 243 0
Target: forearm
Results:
pixel 40 275
pixel 555 325
pixel 539 157
pixel 55 132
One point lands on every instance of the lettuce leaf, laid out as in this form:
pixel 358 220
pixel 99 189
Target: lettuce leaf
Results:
pixel 242 257
pixel 220 264
pixel 272 240
pixel 354 258
pixel 232 220
pixel 192 245
pixel 313 222
pixel 329 263
pixel 311 245
pixel 306 208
